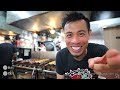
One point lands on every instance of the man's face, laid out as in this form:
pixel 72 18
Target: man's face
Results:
pixel 76 37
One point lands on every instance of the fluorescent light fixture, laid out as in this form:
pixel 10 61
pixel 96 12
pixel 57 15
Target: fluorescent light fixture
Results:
pixel 106 23
pixel 105 15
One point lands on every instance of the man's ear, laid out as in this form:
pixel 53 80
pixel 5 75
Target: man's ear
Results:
pixel 90 31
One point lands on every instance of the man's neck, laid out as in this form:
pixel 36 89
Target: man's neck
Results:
pixel 81 56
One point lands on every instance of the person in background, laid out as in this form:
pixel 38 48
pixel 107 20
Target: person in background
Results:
pixel 14 42
pixel 42 47
pixel 7 54
pixel 83 60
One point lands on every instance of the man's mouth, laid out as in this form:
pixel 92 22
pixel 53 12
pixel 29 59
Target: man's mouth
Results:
pixel 76 48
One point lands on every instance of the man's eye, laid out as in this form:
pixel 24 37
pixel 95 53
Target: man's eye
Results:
pixel 69 35
pixel 81 34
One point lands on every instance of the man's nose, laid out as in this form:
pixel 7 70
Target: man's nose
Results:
pixel 75 39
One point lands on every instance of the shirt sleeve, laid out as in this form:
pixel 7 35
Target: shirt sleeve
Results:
pixel 59 64
pixel 103 50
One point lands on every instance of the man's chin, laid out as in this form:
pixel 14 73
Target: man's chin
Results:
pixel 76 56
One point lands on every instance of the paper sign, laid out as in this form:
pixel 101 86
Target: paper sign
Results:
pixel 26 52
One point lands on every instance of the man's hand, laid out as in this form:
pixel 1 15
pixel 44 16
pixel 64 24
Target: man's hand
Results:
pixel 107 66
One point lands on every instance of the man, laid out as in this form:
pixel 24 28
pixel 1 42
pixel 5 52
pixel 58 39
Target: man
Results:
pixel 83 60
pixel 7 54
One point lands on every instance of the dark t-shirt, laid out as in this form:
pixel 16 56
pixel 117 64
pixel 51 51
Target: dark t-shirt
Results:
pixel 68 66
pixel 6 53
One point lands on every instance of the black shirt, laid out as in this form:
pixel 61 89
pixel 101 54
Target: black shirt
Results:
pixel 66 64
pixel 6 53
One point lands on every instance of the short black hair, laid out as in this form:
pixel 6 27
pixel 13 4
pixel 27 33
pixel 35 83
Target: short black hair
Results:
pixel 7 37
pixel 74 16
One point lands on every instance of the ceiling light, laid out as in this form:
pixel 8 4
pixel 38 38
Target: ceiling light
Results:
pixel 35 27
pixel 52 24
pixel 52 31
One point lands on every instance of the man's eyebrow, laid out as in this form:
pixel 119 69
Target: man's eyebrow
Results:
pixel 68 32
pixel 78 31
pixel 82 31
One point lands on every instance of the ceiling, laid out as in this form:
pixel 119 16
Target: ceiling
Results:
pixel 52 20
pixel 40 22
pixel 47 21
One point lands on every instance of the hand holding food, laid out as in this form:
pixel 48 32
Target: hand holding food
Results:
pixel 107 66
